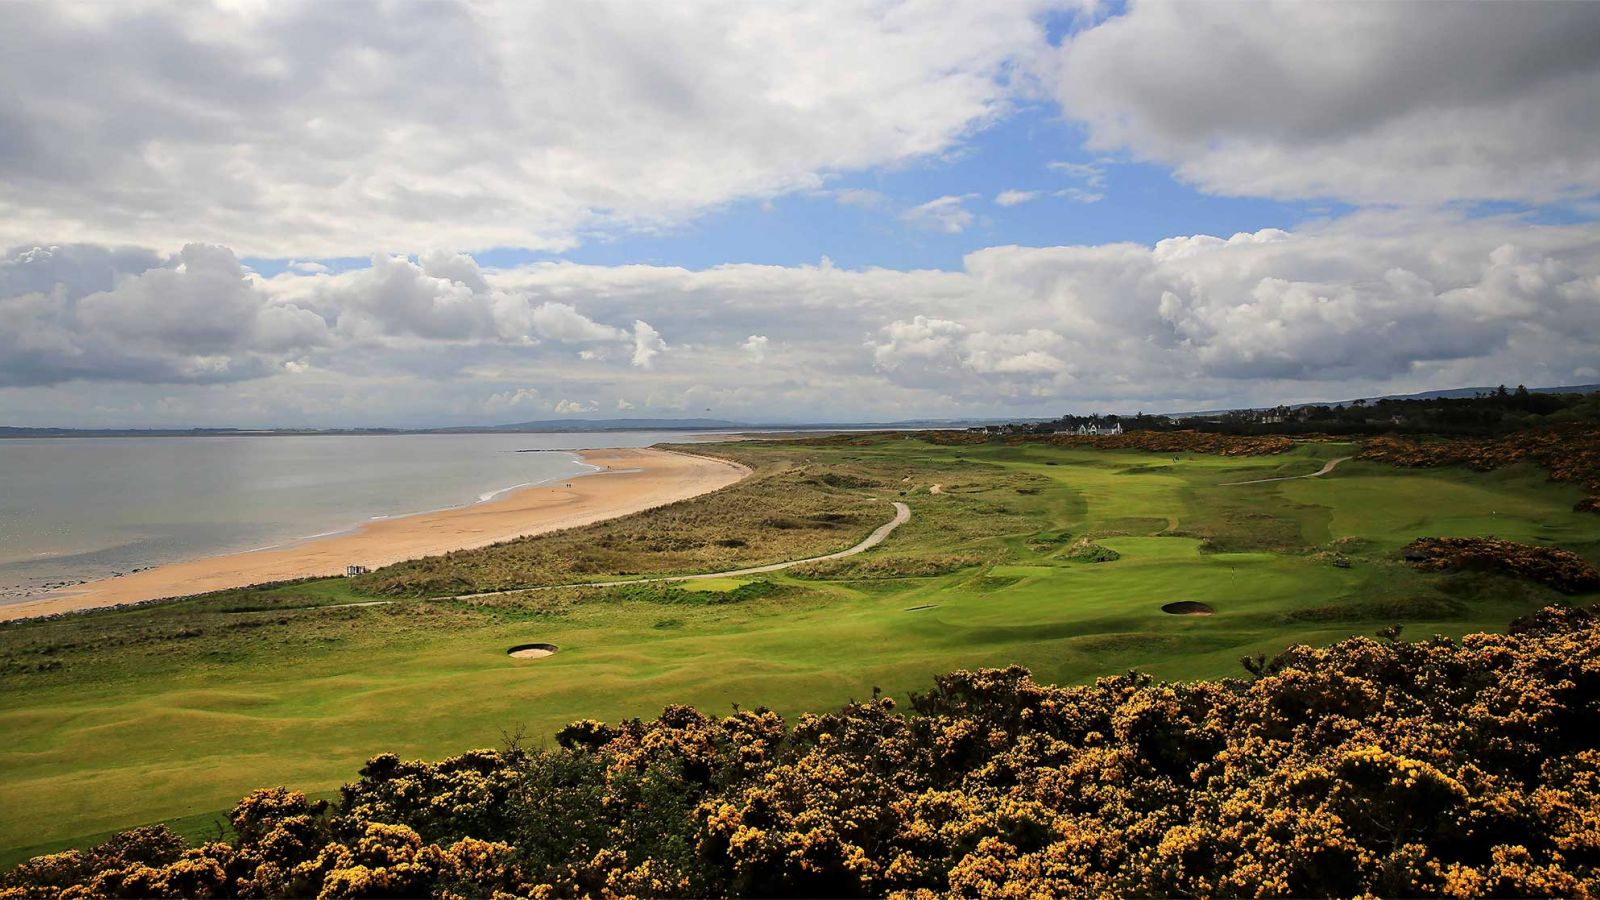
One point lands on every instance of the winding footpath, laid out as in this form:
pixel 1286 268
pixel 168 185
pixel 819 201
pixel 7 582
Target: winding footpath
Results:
pixel 1327 467
pixel 902 515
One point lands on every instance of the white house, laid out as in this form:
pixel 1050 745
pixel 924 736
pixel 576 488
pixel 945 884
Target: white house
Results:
pixel 1100 429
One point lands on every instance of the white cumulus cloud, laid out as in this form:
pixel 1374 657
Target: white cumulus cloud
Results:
pixel 1377 302
pixel 647 344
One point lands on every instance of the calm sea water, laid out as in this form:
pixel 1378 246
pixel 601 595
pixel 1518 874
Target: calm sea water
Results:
pixel 74 509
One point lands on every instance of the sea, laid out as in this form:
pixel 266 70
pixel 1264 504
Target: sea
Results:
pixel 76 509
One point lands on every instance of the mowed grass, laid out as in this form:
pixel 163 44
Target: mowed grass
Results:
pixel 173 712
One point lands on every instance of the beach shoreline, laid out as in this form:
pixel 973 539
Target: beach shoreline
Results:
pixel 623 481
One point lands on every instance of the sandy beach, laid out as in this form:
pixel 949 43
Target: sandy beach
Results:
pixel 627 481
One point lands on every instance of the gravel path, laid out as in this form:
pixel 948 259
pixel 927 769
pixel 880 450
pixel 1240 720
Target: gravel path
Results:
pixel 1326 468
pixel 902 515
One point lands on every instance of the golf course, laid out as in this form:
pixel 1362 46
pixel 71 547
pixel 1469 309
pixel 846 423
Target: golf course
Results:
pixel 1057 558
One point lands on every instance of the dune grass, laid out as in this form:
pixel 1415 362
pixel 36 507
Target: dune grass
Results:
pixel 124 718
pixel 790 508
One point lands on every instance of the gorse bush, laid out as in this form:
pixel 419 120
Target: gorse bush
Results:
pixel 1570 453
pixel 1178 442
pixel 1560 569
pixel 1442 767
pixel 1184 441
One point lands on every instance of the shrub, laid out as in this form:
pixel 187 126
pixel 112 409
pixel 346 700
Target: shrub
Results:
pixel 1570 453
pixel 1370 767
pixel 1553 567
pixel 1085 550
pixel 1155 441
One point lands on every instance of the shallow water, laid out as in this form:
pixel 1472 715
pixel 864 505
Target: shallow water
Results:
pixel 77 509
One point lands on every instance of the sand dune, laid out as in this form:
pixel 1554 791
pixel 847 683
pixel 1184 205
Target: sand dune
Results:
pixel 902 515
pixel 628 481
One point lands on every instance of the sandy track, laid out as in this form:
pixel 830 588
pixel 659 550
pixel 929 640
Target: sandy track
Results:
pixel 629 481
pixel 1327 467
pixel 902 515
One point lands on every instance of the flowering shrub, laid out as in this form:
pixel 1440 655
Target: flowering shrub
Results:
pixel 1570 453
pixel 1561 569
pixel 1373 767
pixel 1183 441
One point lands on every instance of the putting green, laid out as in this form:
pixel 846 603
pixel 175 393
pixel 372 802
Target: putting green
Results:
pixel 714 585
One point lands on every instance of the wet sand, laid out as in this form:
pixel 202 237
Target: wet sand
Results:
pixel 628 481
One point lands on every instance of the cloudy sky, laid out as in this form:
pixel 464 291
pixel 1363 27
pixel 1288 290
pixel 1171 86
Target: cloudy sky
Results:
pixel 351 213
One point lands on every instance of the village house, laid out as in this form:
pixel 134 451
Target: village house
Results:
pixel 1097 429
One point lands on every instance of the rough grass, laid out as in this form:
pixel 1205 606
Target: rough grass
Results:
pixel 128 717
pixel 785 511
pixel 876 566
pixel 1087 551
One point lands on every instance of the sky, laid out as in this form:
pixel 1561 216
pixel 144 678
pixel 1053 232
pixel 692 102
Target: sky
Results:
pixel 287 214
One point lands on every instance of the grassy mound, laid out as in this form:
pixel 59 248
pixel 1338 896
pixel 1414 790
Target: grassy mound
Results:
pixel 1552 566
pixel 1088 551
pixel 1368 767
pixel 882 566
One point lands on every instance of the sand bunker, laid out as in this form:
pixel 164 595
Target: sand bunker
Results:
pixel 531 651
pixel 1188 608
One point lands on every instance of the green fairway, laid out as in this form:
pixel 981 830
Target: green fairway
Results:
pixel 119 719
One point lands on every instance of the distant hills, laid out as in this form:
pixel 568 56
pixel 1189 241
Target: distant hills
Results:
pixel 567 426
pixel 1455 393
pixel 558 425
pixel 1448 394
pixel 561 425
